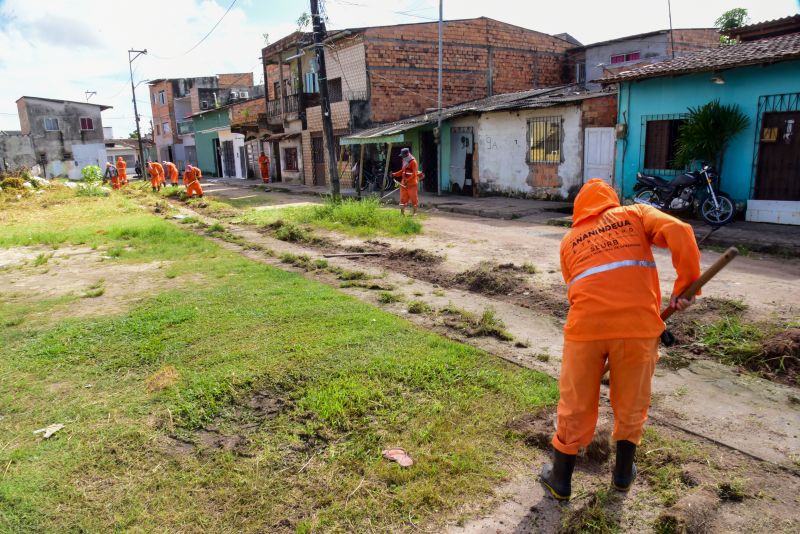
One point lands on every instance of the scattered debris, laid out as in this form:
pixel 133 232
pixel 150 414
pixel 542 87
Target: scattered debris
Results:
pixel 416 254
pixel 48 431
pixel 490 278
pixel 398 455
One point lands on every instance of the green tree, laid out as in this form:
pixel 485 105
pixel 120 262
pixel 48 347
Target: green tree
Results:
pixel 133 135
pixel 707 131
pixel 303 21
pixel 730 20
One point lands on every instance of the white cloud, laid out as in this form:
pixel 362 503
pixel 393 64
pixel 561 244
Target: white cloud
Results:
pixel 59 49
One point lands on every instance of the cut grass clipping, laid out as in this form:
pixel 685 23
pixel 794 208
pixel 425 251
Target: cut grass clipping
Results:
pixel 473 325
pixel 364 218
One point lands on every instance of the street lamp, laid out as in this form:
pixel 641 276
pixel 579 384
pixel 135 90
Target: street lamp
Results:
pixel 135 109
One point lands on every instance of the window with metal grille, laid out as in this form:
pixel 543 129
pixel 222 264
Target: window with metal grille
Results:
pixel 335 89
pixel 660 143
pixel 544 135
pixel 87 123
pixel 290 159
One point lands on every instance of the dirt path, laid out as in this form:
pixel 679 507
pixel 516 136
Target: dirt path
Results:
pixel 705 399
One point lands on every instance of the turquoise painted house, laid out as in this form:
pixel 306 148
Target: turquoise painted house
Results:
pixel 207 125
pixel 761 74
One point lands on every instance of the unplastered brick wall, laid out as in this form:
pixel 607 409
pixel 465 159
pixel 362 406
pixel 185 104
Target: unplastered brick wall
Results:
pixel 340 113
pixel 162 112
pixel 480 57
pixel 247 112
pixel 694 39
pixel 235 79
pixel 599 111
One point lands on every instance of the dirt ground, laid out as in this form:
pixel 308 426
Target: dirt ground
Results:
pixel 90 282
pixel 746 425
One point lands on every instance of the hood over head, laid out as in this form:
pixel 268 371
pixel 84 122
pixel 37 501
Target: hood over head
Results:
pixel 595 197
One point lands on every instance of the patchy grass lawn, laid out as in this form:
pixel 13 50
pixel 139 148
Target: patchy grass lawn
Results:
pixel 257 401
pixel 364 218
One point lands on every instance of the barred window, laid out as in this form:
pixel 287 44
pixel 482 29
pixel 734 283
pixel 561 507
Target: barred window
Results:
pixel 544 134
pixel 660 143
pixel 290 159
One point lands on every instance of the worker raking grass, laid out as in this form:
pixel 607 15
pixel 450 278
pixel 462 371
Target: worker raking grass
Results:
pixel 409 180
pixel 615 298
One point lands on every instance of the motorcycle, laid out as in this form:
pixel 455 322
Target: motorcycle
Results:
pixel 694 188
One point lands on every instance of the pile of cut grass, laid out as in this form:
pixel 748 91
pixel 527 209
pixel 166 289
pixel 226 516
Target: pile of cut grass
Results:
pixel 363 218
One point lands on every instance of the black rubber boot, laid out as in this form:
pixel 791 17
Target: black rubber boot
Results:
pixel 624 470
pixel 557 477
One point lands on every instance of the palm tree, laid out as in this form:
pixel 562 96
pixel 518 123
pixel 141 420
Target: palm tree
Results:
pixel 707 131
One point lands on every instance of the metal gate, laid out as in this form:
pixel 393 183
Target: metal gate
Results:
pixel 191 155
pixel 227 156
pixel 318 160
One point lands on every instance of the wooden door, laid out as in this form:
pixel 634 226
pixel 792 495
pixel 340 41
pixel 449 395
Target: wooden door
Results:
pixel 598 154
pixel 778 170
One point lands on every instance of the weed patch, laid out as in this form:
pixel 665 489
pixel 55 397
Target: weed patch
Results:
pixel 362 218
pixel 418 307
pixel 473 325
pixel 387 297
pixel 594 516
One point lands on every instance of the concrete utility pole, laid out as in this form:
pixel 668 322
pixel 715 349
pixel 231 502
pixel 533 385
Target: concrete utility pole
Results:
pixel 320 33
pixel 439 105
pixel 135 109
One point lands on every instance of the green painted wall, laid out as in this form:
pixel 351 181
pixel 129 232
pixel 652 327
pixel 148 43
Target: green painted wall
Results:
pixel 204 139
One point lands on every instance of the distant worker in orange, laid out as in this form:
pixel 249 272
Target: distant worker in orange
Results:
pixel 191 179
pixel 172 173
pixel 615 299
pixel 122 171
pixel 409 180
pixel 263 163
pixel 156 174
pixel 111 175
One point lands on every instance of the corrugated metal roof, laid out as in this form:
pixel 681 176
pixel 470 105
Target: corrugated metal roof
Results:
pixel 529 99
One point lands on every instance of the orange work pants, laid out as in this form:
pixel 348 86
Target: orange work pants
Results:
pixel 632 363
pixel 115 181
pixel 155 181
pixel 265 174
pixel 409 195
pixel 123 178
pixel 193 188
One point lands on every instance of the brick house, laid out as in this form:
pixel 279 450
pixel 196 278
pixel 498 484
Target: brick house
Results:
pixel 172 100
pixel 384 73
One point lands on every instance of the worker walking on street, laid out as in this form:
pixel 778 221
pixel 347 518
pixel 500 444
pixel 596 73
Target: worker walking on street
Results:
pixel 615 298
pixel 111 175
pixel 172 173
pixel 191 179
pixel 122 171
pixel 263 163
pixel 409 178
pixel 156 174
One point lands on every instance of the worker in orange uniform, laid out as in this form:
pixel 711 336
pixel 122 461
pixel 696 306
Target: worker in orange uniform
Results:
pixel 172 173
pixel 111 175
pixel 614 298
pixel 156 174
pixel 191 179
pixel 409 178
pixel 263 163
pixel 122 171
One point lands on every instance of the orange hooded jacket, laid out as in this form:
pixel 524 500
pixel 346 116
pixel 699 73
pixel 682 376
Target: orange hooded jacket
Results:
pixel 608 265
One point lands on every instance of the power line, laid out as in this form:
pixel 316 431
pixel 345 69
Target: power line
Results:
pixel 198 43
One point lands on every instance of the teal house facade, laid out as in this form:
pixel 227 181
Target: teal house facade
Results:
pixel 761 75
pixel 207 126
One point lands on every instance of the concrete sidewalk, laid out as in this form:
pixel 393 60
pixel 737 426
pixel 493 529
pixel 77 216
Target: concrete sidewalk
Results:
pixel 748 236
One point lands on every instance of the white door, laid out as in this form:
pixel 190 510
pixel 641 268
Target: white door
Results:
pixel 598 154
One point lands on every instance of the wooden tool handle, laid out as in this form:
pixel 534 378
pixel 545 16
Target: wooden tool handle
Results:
pixel 707 275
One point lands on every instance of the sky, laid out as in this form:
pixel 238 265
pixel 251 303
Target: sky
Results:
pixel 63 48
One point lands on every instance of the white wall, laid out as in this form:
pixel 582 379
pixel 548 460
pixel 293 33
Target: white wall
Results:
pixel 238 142
pixel 84 155
pixel 501 140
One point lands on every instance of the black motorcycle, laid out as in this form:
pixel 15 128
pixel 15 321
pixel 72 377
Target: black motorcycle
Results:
pixel 692 190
